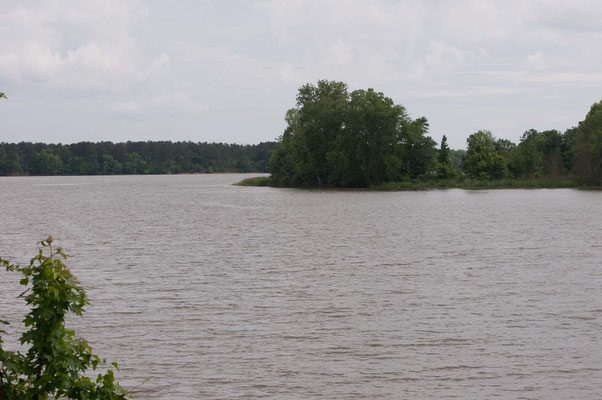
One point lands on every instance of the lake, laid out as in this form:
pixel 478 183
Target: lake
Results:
pixel 201 289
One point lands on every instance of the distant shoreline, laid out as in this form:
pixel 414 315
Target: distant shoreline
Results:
pixel 467 184
pixel 179 173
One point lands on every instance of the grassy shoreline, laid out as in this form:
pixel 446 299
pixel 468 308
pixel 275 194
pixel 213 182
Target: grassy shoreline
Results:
pixel 468 184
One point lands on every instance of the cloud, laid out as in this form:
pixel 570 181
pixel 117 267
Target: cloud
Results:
pixel 162 102
pixel 73 44
pixel 560 77
pixel 236 66
pixel 536 61
pixel 475 92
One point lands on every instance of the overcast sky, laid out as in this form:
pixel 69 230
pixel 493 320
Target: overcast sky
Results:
pixel 227 71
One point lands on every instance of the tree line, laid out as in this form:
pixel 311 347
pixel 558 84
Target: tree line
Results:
pixel 152 157
pixel 336 138
pixel 362 138
pixel 575 153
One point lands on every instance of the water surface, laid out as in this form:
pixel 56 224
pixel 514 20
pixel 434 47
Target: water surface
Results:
pixel 201 289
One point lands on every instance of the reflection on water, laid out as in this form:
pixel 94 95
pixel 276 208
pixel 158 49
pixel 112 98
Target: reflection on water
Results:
pixel 215 291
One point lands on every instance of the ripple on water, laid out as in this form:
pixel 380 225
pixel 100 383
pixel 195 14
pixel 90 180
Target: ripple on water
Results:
pixel 201 289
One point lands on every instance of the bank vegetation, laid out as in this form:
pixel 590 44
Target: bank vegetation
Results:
pixel 362 139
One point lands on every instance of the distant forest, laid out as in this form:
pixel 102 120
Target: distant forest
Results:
pixel 107 158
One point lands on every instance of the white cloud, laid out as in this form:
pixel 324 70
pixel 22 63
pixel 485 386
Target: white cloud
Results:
pixel 162 102
pixel 204 62
pixel 72 44
pixel 560 77
pixel 126 107
pixel 536 61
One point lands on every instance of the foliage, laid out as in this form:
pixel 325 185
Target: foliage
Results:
pixel 56 360
pixel 588 145
pixel 105 158
pixel 445 170
pixel 443 156
pixel 482 159
pixel 475 184
pixel 539 154
pixel 357 139
pixel 255 181
pixel 456 157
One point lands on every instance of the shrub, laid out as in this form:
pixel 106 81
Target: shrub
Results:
pixel 56 360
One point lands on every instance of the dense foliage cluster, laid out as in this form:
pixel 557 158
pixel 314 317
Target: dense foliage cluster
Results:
pixel 337 138
pixel 576 153
pixel 357 139
pixel 56 360
pixel 105 158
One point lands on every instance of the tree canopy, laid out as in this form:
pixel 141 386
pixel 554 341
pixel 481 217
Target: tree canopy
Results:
pixel 482 159
pixel 106 158
pixel 588 145
pixel 357 139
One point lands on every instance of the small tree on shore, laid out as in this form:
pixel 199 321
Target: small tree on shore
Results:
pixel 56 360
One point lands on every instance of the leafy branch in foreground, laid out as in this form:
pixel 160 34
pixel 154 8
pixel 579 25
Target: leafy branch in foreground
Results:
pixel 56 360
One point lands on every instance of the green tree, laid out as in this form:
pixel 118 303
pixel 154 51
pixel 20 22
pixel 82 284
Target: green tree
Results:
pixel 56 360
pixel 504 147
pixel 419 153
pixel 456 157
pixel 282 162
pixel 538 154
pixel 5 164
pixel 527 159
pixel 317 122
pixel 482 161
pixel 134 164
pixel 444 167
pixel 568 149
pixel 584 167
pixel 244 164
pixel 47 163
pixel 363 138
pixel 109 165
pixel 370 144
pixel 588 145
pixel 443 156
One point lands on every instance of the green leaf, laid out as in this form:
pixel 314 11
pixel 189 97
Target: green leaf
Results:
pixel 56 361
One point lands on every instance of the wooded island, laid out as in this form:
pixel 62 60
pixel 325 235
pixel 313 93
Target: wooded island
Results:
pixel 363 139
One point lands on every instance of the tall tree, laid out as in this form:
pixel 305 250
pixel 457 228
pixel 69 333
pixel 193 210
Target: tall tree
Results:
pixel 317 121
pixel 445 170
pixel 482 161
pixel 443 156
pixel 588 145
pixel 419 153
pixel 372 140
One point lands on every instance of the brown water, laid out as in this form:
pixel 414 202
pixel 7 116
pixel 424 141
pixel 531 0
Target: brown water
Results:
pixel 203 290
